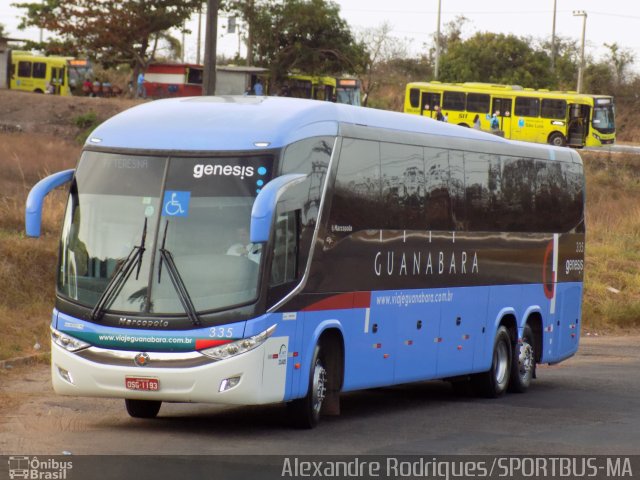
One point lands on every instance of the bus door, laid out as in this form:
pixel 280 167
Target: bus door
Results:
pixel 57 79
pixel 323 92
pixel 578 125
pixel 428 101
pixel 503 106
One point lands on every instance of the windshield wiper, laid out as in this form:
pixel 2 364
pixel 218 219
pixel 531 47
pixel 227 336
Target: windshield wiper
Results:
pixel 120 276
pixel 176 280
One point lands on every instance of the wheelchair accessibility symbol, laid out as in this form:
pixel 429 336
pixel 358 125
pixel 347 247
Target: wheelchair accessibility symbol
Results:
pixel 176 204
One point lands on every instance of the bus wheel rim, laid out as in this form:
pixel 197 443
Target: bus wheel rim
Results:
pixel 502 363
pixel 319 386
pixel 525 360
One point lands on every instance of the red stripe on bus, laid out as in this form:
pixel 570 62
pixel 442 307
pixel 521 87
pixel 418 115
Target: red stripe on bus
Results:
pixel 206 343
pixel 342 301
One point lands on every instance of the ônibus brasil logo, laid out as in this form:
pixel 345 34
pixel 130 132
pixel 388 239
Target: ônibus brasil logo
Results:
pixel 34 468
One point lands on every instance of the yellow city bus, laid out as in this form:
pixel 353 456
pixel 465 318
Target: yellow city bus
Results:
pixel 541 116
pixel 335 89
pixel 54 74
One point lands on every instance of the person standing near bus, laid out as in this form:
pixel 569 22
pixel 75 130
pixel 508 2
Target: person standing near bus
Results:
pixel 140 92
pixel 439 116
pixel 258 89
pixel 476 122
pixel 495 123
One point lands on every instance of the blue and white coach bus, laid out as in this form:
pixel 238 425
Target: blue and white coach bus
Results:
pixel 256 250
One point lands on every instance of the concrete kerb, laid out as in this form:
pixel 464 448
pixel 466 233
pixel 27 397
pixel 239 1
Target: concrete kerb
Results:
pixel 27 360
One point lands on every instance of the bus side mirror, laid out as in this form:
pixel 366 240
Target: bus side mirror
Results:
pixel 264 208
pixel 33 210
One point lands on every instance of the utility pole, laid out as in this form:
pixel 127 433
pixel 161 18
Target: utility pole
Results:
pixel 583 14
pixel 435 73
pixel 250 19
pixel 184 39
pixel 199 34
pixel 210 47
pixel 553 37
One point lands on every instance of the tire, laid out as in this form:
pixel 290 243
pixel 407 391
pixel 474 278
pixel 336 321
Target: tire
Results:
pixel 494 382
pixel 557 139
pixel 464 125
pixel 523 365
pixel 142 408
pixel 305 412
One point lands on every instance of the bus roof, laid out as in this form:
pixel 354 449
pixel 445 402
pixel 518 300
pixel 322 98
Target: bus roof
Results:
pixel 252 123
pixel 503 89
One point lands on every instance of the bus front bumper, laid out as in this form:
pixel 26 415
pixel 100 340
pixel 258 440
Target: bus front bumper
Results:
pixel 258 376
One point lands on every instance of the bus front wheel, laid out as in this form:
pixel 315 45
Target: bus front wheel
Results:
pixel 557 139
pixel 305 412
pixel 142 408
pixel 494 382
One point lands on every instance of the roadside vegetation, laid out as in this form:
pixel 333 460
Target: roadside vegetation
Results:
pixel 27 266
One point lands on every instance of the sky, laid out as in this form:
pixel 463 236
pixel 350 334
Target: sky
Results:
pixel 415 21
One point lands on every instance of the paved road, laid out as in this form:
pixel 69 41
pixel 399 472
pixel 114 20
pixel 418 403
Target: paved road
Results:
pixel 616 149
pixel 589 404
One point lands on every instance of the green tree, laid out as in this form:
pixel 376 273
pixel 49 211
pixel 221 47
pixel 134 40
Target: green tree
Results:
pixel 497 58
pixel 111 31
pixel 621 59
pixel 308 36
pixel 565 74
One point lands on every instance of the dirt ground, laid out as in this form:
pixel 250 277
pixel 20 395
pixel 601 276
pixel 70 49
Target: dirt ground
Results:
pixel 54 115
pixel 584 393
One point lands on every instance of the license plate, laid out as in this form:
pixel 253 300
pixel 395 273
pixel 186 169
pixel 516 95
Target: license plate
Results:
pixel 138 383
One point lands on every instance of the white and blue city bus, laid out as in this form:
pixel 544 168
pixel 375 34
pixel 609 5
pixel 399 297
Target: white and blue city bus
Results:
pixel 256 250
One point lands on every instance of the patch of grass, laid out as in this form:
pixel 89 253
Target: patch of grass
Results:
pixel 27 266
pixel 87 122
pixel 612 283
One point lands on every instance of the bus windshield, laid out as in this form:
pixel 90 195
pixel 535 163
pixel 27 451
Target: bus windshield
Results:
pixel 604 118
pixel 155 216
pixel 349 96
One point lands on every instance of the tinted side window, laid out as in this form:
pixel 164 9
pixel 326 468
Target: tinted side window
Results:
pixel 414 97
pixel 309 156
pixel 284 264
pixel 553 108
pixel 403 186
pixel 24 69
pixel 356 196
pixel 527 107
pixel 439 204
pixel 575 193
pixel 39 70
pixel 478 195
pixel 478 102
pixel 453 101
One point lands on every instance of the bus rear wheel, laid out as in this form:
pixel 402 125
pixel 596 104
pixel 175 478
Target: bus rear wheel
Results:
pixel 524 362
pixel 305 412
pixel 494 382
pixel 142 408
pixel 557 139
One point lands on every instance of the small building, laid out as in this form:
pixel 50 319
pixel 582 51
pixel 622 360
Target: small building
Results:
pixel 235 80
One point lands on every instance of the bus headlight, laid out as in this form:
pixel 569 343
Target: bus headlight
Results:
pixel 69 343
pixel 239 346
